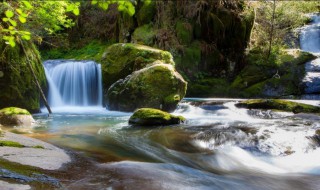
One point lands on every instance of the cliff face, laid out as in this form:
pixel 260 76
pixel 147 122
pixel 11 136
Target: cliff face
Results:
pixel 205 37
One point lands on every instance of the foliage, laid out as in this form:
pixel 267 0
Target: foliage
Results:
pixel 123 6
pixel 38 17
pixel 288 16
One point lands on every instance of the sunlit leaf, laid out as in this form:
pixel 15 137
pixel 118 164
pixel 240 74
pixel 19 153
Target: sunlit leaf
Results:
pixel 14 23
pixel 94 2
pixel 26 37
pixel 76 11
pixel 22 19
pixel 131 10
pixel 5 19
pixel 12 43
pixel 9 14
pixel 27 4
pixel 19 11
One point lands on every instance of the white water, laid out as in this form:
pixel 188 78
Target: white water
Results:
pixel 73 85
pixel 310 41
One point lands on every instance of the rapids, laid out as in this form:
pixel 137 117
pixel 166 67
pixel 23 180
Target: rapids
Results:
pixel 219 147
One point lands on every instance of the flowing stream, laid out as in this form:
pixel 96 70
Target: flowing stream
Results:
pixel 219 147
pixel 310 41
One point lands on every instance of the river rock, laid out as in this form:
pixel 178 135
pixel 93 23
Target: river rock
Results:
pixel 153 117
pixel 158 86
pixel 13 116
pixel 277 104
pixel 32 152
pixel 120 60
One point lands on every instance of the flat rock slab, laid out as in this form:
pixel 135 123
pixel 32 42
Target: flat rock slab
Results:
pixel 12 186
pixel 49 157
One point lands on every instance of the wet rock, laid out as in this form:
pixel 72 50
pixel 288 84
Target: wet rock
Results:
pixel 13 116
pixel 158 86
pixel 153 117
pixel 32 152
pixel 277 104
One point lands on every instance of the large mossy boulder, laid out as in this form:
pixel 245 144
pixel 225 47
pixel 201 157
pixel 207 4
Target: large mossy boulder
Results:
pixel 16 81
pixel 154 117
pixel 120 60
pixel 13 116
pixel 282 77
pixel 280 105
pixel 157 86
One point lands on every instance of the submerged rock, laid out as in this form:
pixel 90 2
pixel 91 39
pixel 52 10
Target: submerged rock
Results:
pixel 153 117
pixel 158 86
pixel 281 105
pixel 13 116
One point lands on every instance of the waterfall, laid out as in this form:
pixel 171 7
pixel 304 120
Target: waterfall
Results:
pixel 73 83
pixel 310 41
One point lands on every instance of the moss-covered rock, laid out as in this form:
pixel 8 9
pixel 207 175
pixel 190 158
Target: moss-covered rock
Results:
pixel 154 117
pixel 280 105
pixel 13 116
pixel 157 86
pixel 144 35
pixel 17 83
pixel 282 77
pixel 120 60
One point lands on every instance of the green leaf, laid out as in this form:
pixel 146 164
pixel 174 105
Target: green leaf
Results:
pixel 104 5
pixel 14 23
pixel 26 37
pixel 76 11
pixel 9 14
pixel 11 42
pixel 94 2
pixel 5 19
pixel 131 10
pixel 121 8
pixel 70 8
pixel 22 19
pixel 19 11
pixel 27 4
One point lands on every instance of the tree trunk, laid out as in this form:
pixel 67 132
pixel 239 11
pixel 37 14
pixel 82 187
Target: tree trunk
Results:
pixel 272 28
pixel 36 79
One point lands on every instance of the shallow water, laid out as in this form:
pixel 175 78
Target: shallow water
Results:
pixel 219 147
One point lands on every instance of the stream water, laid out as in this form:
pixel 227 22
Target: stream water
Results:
pixel 219 147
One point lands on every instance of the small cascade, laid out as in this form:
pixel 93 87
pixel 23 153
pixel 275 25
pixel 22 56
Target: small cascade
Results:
pixel 310 41
pixel 73 83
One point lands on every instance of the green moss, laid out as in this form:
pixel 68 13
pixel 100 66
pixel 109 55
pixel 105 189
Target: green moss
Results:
pixel 190 59
pixel 277 104
pixel 146 13
pixel 149 116
pixel 90 51
pixel 14 111
pixel 210 87
pixel 144 35
pixel 120 60
pixel 157 86
pixel 17 84
pixel 184 32
pixel 11 144
pixel 38 146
